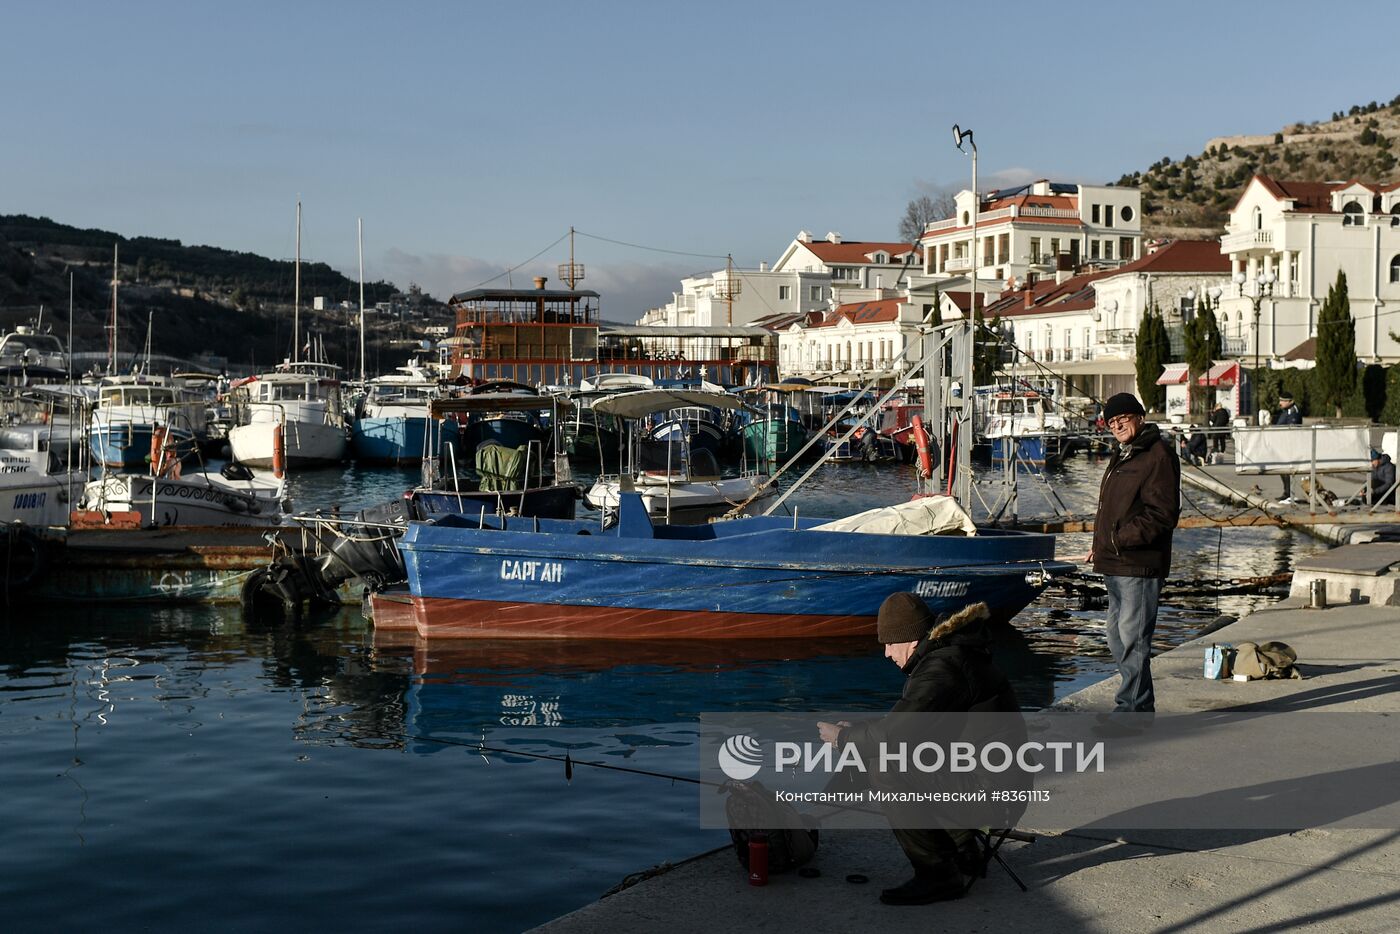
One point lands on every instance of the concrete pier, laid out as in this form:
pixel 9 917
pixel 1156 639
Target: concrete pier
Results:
pixel 1148 881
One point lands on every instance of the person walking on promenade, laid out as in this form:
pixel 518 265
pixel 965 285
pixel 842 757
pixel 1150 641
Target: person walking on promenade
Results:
pixel 949 669
pixel 1287 414
pixel 1139 504
pixel 1220 423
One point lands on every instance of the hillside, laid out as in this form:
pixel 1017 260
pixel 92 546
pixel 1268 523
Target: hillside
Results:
pixel 1193 196
pixel 201 299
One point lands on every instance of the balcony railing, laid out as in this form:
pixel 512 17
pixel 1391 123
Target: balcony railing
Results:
pixel 958 264
pixel 1248 240
pixel 1034 211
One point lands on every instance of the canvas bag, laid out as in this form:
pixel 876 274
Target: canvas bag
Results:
pixel 1269 660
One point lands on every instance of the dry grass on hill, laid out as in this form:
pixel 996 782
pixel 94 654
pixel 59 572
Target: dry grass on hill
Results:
pixel 1192 197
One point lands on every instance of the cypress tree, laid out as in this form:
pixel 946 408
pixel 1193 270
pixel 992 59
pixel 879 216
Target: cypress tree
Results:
pixel 1336 347
pixel 1152 351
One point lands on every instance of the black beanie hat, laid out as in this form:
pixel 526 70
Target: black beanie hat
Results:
pixel 903 618
pixel 1124 403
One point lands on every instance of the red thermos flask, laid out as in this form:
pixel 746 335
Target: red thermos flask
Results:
pixel 758 859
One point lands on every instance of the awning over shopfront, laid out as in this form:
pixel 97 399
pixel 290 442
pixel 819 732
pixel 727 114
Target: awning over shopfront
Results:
pixel 1173 374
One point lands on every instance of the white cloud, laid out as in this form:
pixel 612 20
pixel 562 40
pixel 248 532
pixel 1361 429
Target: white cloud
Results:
pixel 627 289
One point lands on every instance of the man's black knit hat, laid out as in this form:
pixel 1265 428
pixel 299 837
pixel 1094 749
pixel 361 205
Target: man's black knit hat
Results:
pixel 1124 403
pixel 903 618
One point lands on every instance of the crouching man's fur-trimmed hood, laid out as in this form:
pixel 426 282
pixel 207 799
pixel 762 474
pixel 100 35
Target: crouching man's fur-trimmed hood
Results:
pixel 977 612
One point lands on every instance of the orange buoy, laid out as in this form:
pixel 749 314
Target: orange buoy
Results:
pixel 157 450
pixel 279 452
pixel 921 445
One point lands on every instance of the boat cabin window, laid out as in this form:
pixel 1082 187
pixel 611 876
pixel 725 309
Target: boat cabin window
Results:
pixel 660 456
pixel 138 395
pixel 15 345
pixel 290 392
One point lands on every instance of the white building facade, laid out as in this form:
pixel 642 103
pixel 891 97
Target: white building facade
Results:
pixel 1296 236
pixel 854 342
pixel 809 275
pixel 1027 233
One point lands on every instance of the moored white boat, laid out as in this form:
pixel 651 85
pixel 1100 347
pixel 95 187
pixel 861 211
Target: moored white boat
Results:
pixel 299 400
pixel 233 497
pixel 35 481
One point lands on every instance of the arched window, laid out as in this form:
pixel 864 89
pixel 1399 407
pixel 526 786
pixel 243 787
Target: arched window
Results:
pixel 1352 215
pixel 1258 219
pixel 1395 268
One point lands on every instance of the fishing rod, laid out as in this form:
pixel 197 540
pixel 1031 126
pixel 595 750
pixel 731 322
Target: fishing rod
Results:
pixel 569 762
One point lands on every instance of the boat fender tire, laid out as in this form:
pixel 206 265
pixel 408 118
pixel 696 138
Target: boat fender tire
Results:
pixel 24 557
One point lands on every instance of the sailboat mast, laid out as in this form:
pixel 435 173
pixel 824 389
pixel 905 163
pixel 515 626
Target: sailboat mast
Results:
pixel 112 341
pixel 296 296
pixel 360 236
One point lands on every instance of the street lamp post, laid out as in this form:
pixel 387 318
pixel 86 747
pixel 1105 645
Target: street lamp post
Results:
pixel 1264 288
pixel 958 136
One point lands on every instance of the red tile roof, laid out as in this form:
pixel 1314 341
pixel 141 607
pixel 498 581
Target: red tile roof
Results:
pixel 1075 294
pixel 856 251
pixel 1315 197
pixel 863 313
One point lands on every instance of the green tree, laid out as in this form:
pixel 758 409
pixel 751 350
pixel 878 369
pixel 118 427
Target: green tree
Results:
pixel 1336 347
pixel 1202 347
pixel 1153 349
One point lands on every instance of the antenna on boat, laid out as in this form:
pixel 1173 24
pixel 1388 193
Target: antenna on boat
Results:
pixel 146 366
pixel 571 272
pixel 296 295
pixel 360 236
pixel 112 340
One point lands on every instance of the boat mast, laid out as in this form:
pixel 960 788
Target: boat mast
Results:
pixel 146 366
pixel 112 339
pixel 360 236
pixel 296 295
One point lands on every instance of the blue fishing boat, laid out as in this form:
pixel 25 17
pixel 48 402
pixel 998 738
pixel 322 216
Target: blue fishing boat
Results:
pixel 129 412
pixel 391 424
pixel 762 577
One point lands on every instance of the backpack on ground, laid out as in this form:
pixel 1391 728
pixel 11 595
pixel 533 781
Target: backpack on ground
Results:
pixel 752 809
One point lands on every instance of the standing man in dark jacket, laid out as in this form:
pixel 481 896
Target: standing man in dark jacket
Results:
pixel 1219 422
pixel 1287 414
pixel 1139 504
pixel 950 670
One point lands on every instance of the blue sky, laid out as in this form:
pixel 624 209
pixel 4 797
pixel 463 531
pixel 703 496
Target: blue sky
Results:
pixel 469 136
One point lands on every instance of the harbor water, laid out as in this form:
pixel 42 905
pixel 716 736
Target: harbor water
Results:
pixel 182 768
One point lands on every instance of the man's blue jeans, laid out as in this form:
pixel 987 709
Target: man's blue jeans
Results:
pixel 1132 616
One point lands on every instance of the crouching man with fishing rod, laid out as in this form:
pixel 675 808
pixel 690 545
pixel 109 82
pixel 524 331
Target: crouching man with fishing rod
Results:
pixel 949 669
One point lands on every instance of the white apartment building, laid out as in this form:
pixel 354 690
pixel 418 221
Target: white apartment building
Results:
pixel 851 264
pixel 704 300
pixel 1027 233
pixel 1085 327
pixel 853 342
pixel 810 274
pixel 1296 236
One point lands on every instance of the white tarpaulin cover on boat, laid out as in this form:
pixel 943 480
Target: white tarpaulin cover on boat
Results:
pixel 1288 449
pixel 645 401
pixel 932 515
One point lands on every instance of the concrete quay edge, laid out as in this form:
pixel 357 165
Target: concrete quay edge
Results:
pixel 1324 879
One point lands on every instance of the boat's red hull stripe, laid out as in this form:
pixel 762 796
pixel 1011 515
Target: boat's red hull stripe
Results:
pixel 441 618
